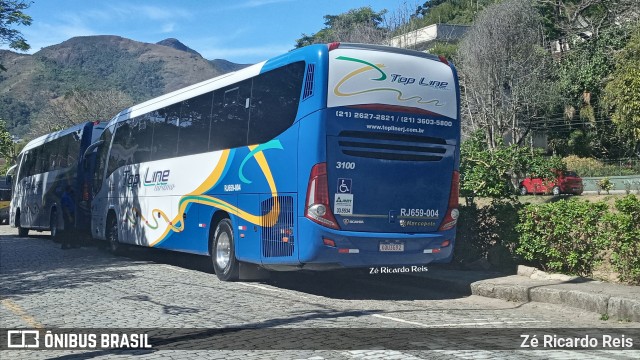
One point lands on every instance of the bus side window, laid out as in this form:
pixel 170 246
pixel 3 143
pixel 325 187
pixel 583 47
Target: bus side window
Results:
pixel 165 133
pixel 274 102
pixel 195 118
pixel 230 117
pixel 37 160
pixel 142 134
pixel 53 150
pixel 63 147
pixel 74 149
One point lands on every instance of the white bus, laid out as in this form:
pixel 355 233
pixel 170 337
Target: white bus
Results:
pixel 46 168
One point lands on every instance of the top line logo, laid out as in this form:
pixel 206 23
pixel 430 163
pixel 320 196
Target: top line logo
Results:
pixel 382 76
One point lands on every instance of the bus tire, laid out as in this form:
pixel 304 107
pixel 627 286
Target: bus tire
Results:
pixel 22 232
pixel 112 236
pixel 223 253
pixel 523 190
pixel 53 226
pixel 555 191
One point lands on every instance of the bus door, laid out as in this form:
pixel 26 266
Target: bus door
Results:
pixel 131 204
pixel 100 188
pixel 29 190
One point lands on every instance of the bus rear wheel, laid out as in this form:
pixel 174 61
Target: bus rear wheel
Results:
pixel 223 253
pixel 22 232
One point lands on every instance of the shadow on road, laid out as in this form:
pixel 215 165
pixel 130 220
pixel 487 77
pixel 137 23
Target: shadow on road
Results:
pixel 349 284
pixel 37 264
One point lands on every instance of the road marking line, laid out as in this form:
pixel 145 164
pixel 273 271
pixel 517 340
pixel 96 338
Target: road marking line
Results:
pixel 378 354
pixel 17 309
pixel 268 289
pixel 458 324
pixel 400 320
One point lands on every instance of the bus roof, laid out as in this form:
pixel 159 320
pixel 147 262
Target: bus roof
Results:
pixel 188 92
pixel 52 136
pixel 249 72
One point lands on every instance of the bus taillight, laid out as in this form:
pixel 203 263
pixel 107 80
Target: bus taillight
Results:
pixel 451 219
pixel 317 205
pixel 85 192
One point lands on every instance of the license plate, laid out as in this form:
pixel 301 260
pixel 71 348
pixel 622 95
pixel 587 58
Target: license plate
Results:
pixel 392 247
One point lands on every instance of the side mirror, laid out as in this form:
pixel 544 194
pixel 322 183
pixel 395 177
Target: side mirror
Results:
pixel 91 148
pixel 9 174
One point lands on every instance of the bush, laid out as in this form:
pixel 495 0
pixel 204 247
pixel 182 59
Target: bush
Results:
pixel 605 184
pixel 623 233
pixel 564 236
pixel 583 166
pixel 488 230
pixel 589 167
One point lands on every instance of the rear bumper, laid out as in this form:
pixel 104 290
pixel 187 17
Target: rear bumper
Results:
pixel 362 249
pixel 572 189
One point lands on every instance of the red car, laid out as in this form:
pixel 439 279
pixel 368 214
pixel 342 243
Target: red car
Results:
pixel 567 182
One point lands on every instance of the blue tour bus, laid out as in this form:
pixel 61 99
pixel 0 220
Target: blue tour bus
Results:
pixel 339 155
pixel 46 166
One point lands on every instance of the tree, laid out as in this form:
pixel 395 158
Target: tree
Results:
pixel 78 106
pixel 504 72
pixel 495 172
pixel 586 18
pixel 11 15
pixel 7 147
pixel 362 25
pixel 582 74
pixel 451 11
pixel 622 92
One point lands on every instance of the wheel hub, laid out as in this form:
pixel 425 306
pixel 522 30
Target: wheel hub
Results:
pixel 223 251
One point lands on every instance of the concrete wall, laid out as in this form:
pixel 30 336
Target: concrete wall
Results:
pixel 620 184
pixel 423 38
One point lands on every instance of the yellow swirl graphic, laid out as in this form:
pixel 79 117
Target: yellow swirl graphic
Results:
pixel 177 225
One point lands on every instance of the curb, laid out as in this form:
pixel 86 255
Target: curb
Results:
pixel 617 302
pixel 619 308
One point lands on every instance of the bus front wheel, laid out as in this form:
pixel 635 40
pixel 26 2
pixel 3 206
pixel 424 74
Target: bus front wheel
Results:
pixel 53 226
pixel 223 253
pixel 112 236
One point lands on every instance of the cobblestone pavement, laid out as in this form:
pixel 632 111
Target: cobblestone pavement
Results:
pixel 42 286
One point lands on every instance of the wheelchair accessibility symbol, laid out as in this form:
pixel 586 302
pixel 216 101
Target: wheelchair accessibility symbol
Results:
pixel 344 186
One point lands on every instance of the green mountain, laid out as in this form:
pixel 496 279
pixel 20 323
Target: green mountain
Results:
pixel 140 70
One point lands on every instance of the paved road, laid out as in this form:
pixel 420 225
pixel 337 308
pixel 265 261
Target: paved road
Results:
pixel 42 286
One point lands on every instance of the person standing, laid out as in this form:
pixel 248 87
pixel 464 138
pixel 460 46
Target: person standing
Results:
pixel 69 214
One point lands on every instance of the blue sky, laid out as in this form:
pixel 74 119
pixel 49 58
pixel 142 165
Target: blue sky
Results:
pixel 241 31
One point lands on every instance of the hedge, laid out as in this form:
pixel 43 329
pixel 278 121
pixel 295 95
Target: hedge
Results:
pixel 567 236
